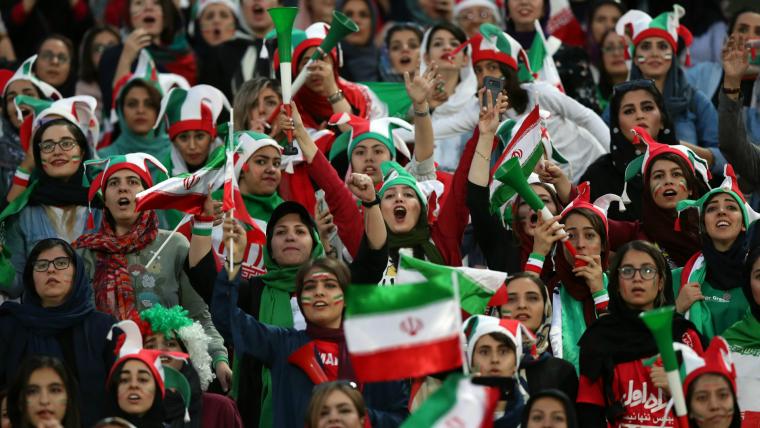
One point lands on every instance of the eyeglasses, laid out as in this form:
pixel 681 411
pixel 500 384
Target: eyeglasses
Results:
pixel 471 16
pixel 633 84
pixel 48 56
pixel 59 263
pixel 613 49
pixel 646 272
pixel 66 144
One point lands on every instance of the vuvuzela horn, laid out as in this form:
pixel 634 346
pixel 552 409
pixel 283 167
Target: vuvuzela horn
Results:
pixel 341 27
pixel 283 19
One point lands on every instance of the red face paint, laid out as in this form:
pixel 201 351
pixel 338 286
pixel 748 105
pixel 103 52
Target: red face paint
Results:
pixel 337 299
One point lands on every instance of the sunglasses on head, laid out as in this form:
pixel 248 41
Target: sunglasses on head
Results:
pixel 630 85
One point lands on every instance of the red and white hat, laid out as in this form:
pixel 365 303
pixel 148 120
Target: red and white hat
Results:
pixel 132 349
pixel 197 108
pixel 639 25
pixel 494 44
pixel 600 206
pixel 716 360
pixel 478 326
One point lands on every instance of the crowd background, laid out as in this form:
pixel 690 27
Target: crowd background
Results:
pixel 636 124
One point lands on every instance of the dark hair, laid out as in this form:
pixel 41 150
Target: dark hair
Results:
pixel 605 80
pixel 69 47
pixel 153 93
pixel 403 26
pixel 518 97
pixel 697 187
pixel 73 129
pixel 752 257
pixel 87 70
pixel 322 391
pixel 598 225
pixel 557 395
pixel 285 208
pixel 329 264
pixel 171 17
pixel 667 134
pixel 452 28
pixel 594 8
pixel 736 420
pixel 738 13
pixel 533 278
pixel 665 296
pixel 156 411
pixel 17 391
pixel 703 229
pixel 41 246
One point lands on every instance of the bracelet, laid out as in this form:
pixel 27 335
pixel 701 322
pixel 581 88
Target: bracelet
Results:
pixel 371 204
pixel 202 225
pixel 336 97
pixel 486 158
pixel 234 263
pixel 421 113
pixel 21 177
pixel 731 91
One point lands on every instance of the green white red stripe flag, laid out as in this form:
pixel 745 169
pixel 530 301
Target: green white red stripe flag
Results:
pixel 403 331
pixel 478 288
pixel 458 403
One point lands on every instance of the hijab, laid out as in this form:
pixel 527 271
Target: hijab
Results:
pixel 754 307
pixel 724 268
pixel 153 418
pixel 678 92
pixel 361 62
pixel 418 239
pixel 558 395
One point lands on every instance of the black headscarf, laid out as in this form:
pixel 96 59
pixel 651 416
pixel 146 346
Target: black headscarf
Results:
pixel 572 421
pixel 678 92
pixel 754 307
pixel 153 418
pixel 361 63
pixel 724 268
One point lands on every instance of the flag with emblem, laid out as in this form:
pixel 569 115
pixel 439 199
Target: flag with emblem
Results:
pixel 404 331
pixel 541 60
pixel 457 403
pixel 478 288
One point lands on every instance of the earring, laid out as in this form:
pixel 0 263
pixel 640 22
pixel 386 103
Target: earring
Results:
pixel 667 131
pixel 615 130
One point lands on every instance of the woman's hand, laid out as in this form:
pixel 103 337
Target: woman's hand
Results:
pixel 689 294
pixel 551 173
pixel 591 272
pixel 735 61
pixel 324 69
pixel 224 374
pixel 138 39
pixel 235 232
pixel 420 88
pixel 660 378
pixel 28 162
pixel 325 226
pixel 362 187
pixel 490 114
pixel 545 234
pixel 212 208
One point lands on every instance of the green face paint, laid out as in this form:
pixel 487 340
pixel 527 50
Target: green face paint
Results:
pixel 306 301
pixel 337 299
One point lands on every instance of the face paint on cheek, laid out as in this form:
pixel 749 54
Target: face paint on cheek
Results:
pixel 657 189
pixel 682 185
pixel 76 158
pixel 338 299
pixel 306 301
pixel 319 275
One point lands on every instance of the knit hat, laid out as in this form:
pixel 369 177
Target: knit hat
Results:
pixel 715 360
pixel 78 110
pixel 97 172
pixel 641 164
pixel 730 186
pixel 478 326
pixel 494 44
pixel 495 6
pixel 599 207
pixel 131 348
pixel 194 109
pixel 379 129
pixel 26 72
pixel 247 143
pixel 174 323
pixel 639 25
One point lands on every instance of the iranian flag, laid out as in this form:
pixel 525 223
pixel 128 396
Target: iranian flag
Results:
pixel 403 331
pixel 458 403
pixel 541 59
pixel 478 288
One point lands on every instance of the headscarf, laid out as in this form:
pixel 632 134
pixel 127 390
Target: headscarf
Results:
pixel 571 420
pixel 361 63
pixel 153 418
pixel 754 306
pixel 155 143
pixel 725 267
pixel 678 92
pixel 45 324
pixel 526 37
pixel 114 292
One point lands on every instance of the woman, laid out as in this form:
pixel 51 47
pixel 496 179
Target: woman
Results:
pixel 336 403
pixel 613 347
pixel 612 66
pixel 654 57
pixel 744 338
pixel 52 201
pixel 400 52
pixel 22 82
pixel 136 388
pixel 579 284
pixel 44 393
pixel 137 105
pixel 633 103
pixel 709 285
pixel 319 281
pixel 549 408
pixel 254 104
pixel 171 330
pixel 96 41
pixel 670 174
pixel 601 18
pixel 710 387
pixel 157 26
pixel 325 92
pixel 57 319
pixel 577 132
pixel 292 241
pixel 56 63
pixel 116 256
pixel 470 14
pixel 360 53
pixel 529 303
pixel 494 350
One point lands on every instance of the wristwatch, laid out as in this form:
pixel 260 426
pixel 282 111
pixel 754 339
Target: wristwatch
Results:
pixel 371 204
pixel 336 97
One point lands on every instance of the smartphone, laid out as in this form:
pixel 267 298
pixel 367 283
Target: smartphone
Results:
pixel 494 86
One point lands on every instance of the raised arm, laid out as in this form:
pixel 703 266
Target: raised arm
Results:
pixel 419 89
